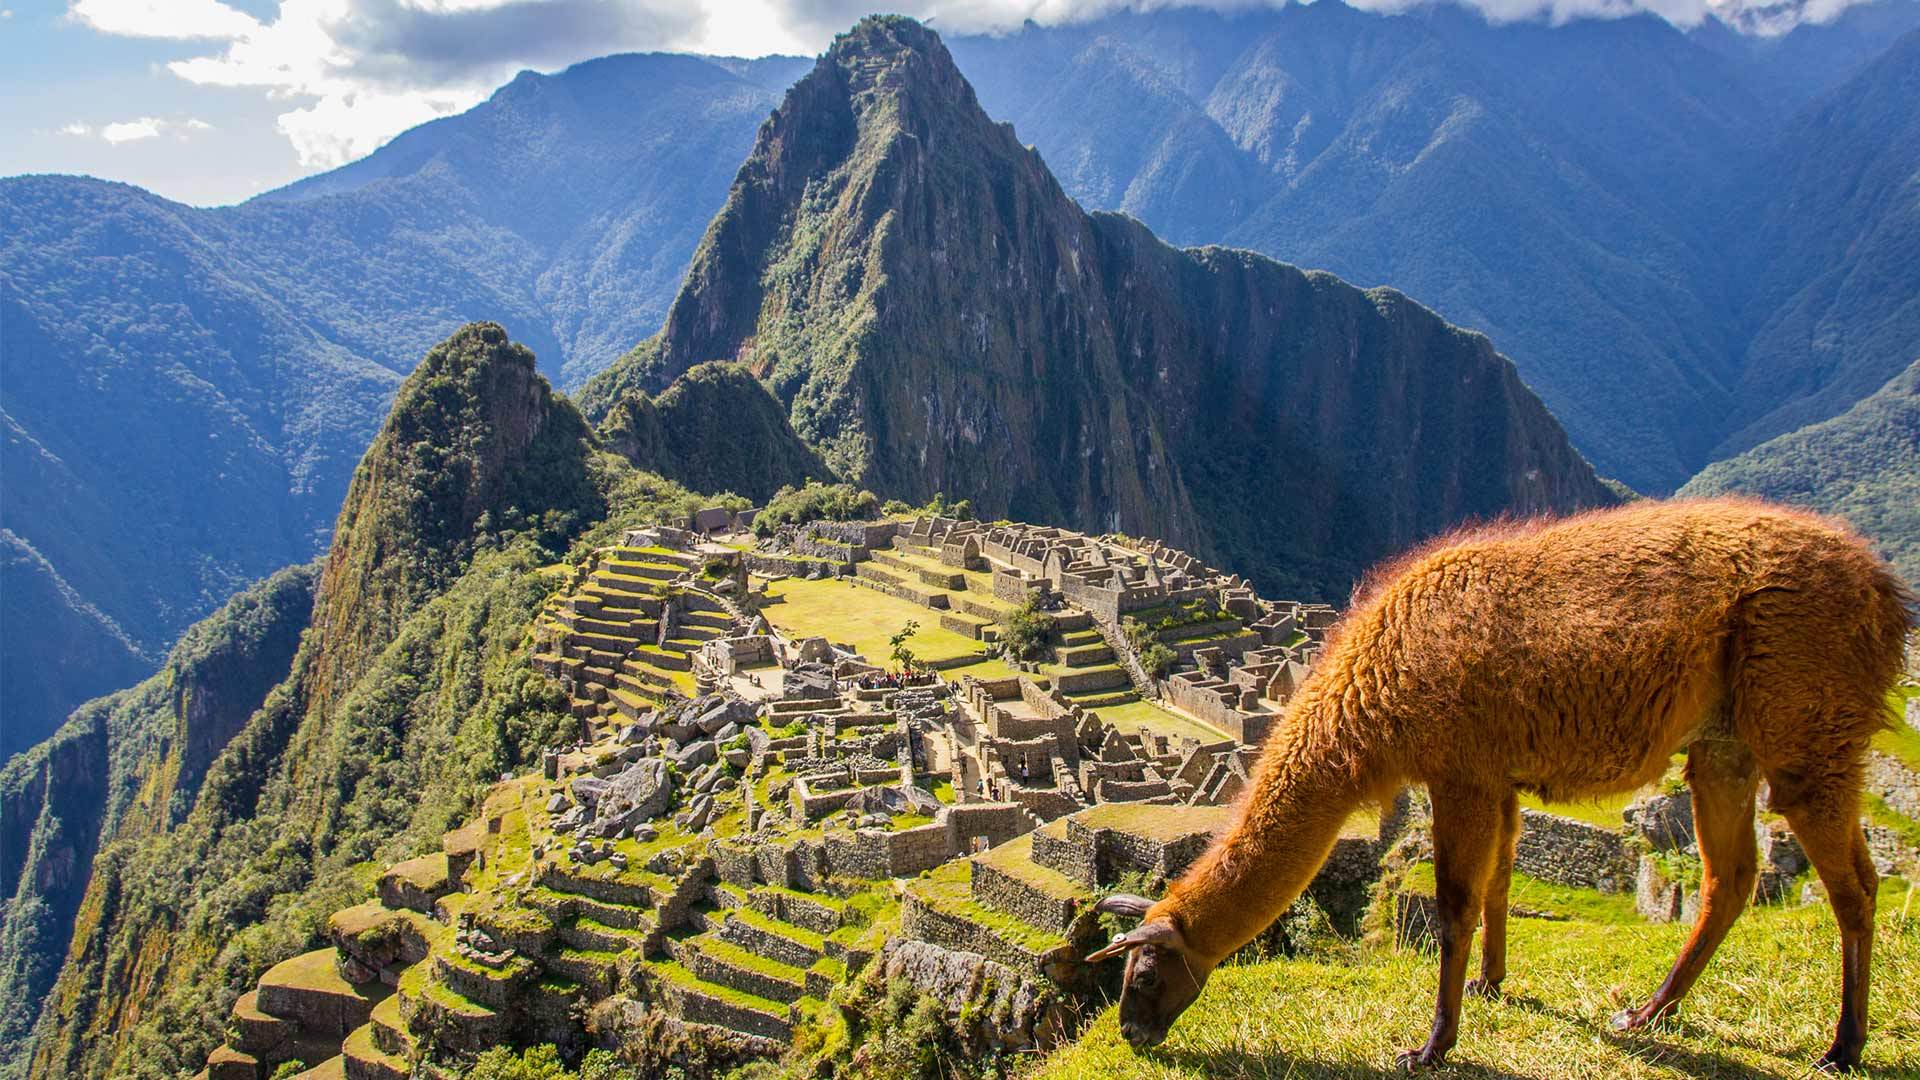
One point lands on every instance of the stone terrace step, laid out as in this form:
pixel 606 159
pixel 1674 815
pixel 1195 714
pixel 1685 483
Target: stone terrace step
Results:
pixel 729 965
pixel 652 571
pixel 614 599
pixel 334 1068
pixel 365 1061
pixel 1086 655
pixel 654 555
pixel 1082 680
pixel 598 970
pixel 940 908
pixel 817 912
pixel 390 1032
pixel 1006 879
pixel 772 938
pixel 309 991
pixel 251 1031
pixel 587 932
pixel 701 1002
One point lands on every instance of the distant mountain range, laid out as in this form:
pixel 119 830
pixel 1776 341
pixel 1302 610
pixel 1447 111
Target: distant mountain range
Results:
pixel 1688 243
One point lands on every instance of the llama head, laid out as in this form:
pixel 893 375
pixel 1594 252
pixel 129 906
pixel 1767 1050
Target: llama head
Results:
pixel 1162 976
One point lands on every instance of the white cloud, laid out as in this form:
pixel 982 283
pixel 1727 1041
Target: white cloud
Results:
pixel 146 127
pixel 179 19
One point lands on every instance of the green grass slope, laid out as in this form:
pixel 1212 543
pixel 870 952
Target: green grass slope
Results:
pixel 1764 1009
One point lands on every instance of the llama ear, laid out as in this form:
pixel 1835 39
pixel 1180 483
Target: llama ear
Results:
pixel 1127 904
pixel 1157 932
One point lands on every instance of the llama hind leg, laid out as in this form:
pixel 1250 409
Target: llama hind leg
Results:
pixel 1465 824
pixel 1493 917
pixel 1723 777
pixel 1837 846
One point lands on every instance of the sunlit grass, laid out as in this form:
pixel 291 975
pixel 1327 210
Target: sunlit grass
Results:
pixel 1765 1008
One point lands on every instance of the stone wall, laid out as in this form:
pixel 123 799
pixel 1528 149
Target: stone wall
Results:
pixel 1568 852
pixel 1894 782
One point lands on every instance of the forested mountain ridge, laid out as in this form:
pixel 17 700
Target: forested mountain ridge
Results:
pixel 1582 193
pixel 938 316
pixel 1863 465
pixel 1584 222
pixel 206 379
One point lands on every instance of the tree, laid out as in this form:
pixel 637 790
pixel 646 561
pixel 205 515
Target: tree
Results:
pixel 1024 633
pixel 902 652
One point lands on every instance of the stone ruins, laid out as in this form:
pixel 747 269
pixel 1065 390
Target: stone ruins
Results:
pixel 754 813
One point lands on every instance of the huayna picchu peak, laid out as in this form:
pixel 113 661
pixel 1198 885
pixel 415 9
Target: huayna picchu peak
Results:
pixel 938 316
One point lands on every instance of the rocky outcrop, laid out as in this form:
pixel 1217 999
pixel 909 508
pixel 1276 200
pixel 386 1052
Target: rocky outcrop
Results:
pixel 938 316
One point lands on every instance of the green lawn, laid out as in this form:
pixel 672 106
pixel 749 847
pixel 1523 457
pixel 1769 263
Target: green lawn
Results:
pixel 860 617
pixel 1129 718
pixel 1765 1008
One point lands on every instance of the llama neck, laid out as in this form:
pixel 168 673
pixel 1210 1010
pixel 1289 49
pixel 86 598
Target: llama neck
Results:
pixel 1303 790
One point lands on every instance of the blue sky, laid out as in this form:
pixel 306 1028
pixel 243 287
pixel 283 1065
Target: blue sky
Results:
pixel 213 101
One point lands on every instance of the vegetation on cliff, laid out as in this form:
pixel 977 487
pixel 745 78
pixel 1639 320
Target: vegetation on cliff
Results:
pixel 716 428
pixel 123 767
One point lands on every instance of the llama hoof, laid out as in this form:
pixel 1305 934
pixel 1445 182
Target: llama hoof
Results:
pixel 1423 1058
pixel 1483 988
pixel 1632 1019
pixel 1839 1059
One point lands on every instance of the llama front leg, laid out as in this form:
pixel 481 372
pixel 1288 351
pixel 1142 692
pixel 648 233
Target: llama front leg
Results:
pixel 1466 824
pixel 1723 778
pixel 1493 918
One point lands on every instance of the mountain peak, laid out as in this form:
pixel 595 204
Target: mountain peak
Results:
pixel 936 315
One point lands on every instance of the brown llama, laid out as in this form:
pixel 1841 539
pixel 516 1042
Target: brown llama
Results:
pixel 1570 659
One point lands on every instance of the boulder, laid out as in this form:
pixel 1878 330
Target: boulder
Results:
pixel 640 793
pixel 695 753
pixel 1666 821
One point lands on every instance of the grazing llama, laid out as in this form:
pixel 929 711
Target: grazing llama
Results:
pixel 1570 659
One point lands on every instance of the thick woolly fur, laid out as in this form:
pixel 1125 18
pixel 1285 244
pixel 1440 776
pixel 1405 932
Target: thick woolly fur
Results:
pixel 1573 658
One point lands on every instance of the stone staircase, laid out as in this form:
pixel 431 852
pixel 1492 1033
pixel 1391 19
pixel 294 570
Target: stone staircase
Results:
pixel 1093 675
pixel 621 634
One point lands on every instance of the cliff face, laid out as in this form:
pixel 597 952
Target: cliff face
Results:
pixel 123 767
pixel 937 315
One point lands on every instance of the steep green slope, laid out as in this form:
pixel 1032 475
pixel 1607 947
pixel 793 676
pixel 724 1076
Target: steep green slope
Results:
pixel 1829 238
pixel 714 429
pixel 939 317
pixel 124 767
pixel 1863 465
pixel 207 378
pixel 412 689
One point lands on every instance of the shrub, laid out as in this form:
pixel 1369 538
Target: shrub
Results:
pixel 815 501
pixel 1024 632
